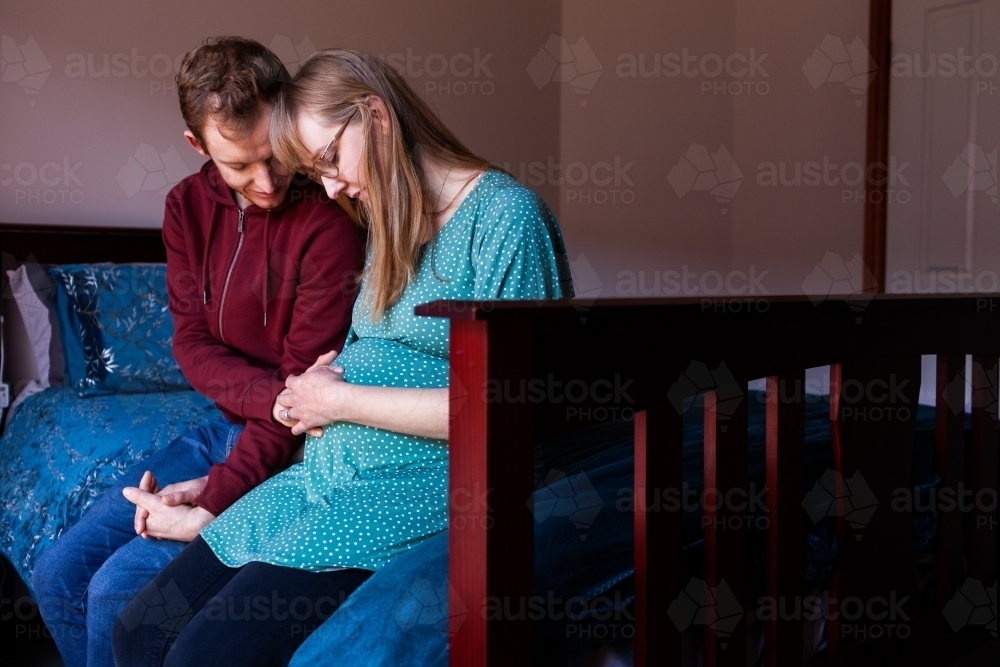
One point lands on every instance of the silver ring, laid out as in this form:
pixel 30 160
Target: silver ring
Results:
pixel 288 417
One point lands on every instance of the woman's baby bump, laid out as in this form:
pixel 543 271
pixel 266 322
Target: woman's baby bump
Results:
pixel 389 363
pixel 348 450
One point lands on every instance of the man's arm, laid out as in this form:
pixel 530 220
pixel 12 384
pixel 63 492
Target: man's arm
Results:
pixel 321 318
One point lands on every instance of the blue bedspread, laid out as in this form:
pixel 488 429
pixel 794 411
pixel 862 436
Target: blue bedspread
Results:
pixel 59 452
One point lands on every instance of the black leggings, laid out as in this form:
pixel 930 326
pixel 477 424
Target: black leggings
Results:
pixel 198 612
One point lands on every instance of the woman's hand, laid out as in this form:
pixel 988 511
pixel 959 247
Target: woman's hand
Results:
pixel 283 402
pixel 321 396
pixel 278 413
pixel 312 399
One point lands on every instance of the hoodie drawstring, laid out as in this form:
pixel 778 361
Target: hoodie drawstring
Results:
pixel 267 261
pixel 205 282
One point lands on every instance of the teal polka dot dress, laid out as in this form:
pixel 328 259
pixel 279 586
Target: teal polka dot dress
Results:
pixel 362 495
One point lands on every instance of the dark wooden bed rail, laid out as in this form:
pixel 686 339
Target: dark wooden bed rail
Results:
pixel 63 244
pixel 661 346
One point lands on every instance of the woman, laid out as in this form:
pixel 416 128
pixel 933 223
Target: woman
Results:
pixel 442 225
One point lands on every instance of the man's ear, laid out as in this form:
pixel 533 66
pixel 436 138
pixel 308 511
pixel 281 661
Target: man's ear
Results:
pixel 195 144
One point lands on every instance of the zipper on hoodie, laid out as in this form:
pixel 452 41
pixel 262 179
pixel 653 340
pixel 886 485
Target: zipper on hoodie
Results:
pixel 229 274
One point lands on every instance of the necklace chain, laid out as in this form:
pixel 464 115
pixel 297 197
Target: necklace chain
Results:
pixel 444 182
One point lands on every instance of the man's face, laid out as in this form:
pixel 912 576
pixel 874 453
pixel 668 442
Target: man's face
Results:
pixel 246 163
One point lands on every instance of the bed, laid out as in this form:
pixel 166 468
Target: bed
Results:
pixel 691 418
pixel 68 439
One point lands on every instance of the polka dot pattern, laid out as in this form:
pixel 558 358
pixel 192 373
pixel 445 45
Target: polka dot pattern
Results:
pixel 362 495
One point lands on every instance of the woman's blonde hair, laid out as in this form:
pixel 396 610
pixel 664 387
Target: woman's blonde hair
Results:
pixel 337 86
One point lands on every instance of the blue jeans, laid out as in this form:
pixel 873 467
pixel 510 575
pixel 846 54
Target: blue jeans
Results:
pixel 94 570
pixel 583 549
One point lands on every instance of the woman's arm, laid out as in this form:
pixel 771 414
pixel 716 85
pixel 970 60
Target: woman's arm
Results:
pixel 321 396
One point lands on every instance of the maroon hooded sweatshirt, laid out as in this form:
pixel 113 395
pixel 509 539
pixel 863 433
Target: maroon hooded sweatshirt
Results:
pixel 256 296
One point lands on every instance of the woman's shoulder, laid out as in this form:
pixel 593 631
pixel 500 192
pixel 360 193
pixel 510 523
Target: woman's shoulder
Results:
pixel 501 196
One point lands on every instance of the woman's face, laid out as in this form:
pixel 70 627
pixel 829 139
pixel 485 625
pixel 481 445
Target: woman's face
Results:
pixel 345 153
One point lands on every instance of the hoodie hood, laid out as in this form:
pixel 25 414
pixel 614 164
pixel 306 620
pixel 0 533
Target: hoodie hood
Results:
pixel 215 186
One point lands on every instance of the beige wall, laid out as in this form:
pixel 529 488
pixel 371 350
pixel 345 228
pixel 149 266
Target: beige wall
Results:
pixel 65 150
pixel 664 104
pixel 789 228
pixel 605 128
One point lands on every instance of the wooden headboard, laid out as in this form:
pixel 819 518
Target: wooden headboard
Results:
pixel 58 244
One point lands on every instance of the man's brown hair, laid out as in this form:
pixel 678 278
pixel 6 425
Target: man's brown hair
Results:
pixel 230 79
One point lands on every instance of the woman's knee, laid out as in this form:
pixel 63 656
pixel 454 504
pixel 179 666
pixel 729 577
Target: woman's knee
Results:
pixel 128 644
pixel 195 647
pixel 143 632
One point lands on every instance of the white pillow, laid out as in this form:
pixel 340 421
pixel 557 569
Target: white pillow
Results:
pixel 33 293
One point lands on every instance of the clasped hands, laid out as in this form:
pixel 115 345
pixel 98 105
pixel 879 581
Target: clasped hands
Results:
pixel 308 401
pixel 168 513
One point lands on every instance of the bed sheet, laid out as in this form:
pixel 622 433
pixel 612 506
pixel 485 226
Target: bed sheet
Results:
pixel 59 453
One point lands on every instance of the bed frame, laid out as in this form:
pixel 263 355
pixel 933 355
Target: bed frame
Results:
pixel 663 346
pixel 659 346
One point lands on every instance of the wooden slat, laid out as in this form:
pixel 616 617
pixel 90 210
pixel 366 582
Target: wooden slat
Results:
pixel 833 632
pixel 785 445
pixel 724 526
pixel 658 471
pixel 875 425
pixel 984 459
pixel 950 462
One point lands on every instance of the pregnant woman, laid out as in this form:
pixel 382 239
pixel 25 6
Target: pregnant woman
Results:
pixel 442 224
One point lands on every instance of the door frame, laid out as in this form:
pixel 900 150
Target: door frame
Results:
pixel 877 144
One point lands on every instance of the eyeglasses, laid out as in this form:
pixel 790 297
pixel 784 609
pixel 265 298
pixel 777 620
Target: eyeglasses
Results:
pixel 326 165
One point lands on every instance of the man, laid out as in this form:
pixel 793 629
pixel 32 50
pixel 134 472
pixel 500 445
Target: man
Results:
pixel 261 276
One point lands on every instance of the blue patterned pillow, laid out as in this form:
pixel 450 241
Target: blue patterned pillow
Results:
pixel 115 328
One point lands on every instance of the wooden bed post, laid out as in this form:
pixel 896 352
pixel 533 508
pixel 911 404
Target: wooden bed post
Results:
pixel 490 484
pixel 658 468
pixel 873 406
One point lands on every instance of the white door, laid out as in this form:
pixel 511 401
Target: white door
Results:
pixel 944 131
